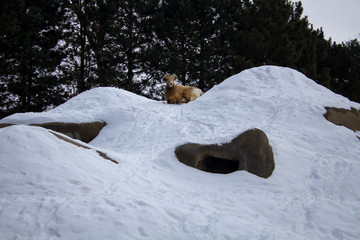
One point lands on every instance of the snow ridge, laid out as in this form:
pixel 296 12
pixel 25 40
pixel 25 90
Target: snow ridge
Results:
pixel 51 189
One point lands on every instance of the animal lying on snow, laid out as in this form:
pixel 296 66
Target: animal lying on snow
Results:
pixel 177 94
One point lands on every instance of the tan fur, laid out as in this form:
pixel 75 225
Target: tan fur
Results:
pixel 177 94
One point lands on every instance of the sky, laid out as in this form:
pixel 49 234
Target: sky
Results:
pixel 340 19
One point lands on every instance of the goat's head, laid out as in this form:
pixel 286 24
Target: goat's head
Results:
pixel 169 80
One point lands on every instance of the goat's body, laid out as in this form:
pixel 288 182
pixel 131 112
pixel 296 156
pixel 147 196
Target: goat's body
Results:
pixel 181 94
pixel 177 94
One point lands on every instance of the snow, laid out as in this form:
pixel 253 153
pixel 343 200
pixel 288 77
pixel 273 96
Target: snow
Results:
pixel 52 189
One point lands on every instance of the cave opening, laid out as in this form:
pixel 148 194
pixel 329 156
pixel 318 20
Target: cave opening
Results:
pixel 219 165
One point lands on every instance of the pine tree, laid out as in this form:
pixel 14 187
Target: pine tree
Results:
pixel 29 57
pixel 133 37
pixel 79 66
pixel 187 34
pixel 96 20
pixel 174 29
pixel 344 64
pixel 45 47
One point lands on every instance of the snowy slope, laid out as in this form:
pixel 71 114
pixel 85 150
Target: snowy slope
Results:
pixel 51 189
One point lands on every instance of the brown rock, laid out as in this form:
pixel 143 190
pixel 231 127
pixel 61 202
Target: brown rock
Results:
pixel 85 132
pixel 344 117
pixel 249 151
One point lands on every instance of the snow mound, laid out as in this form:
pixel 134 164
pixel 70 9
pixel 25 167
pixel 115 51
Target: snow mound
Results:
pixel 51 189
pixel 42 160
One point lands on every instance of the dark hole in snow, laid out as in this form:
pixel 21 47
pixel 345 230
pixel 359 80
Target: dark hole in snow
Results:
pixel 218 165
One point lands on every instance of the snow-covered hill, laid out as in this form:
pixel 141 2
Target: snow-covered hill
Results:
pixel 52 189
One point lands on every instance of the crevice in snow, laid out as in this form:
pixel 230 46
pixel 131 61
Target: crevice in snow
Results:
pixel 101 154
pixel 3 125
pixel 81 131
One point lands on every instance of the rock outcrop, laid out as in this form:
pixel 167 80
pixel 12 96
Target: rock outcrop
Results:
pixel 249 151
pixel 344 117
pixel 85 132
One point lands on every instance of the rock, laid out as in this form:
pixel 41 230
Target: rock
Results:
pixel 85 132
pixel 344 117
pixel 249 151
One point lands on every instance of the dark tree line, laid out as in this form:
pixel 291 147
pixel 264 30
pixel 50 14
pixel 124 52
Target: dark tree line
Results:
pixel 52 49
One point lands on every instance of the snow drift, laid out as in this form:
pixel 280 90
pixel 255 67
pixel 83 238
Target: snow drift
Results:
pixel 52 189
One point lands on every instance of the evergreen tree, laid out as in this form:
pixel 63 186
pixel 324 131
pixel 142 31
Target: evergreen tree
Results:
pixel 78 67
pixel 29 58
pixel 229 57
pixel 132 39
pixel 187 37
pixel 174 29
pixel 354 74
pixel 96 20
pixel 344 64
pixel 47 48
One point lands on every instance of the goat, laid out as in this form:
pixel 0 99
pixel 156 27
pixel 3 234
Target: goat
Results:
pixel 177 94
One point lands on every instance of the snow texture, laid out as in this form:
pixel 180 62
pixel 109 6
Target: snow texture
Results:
pixel 51 189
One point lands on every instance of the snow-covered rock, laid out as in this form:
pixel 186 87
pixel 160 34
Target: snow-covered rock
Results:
pixel 52 189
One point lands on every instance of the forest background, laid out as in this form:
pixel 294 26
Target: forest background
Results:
pixel 52 50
